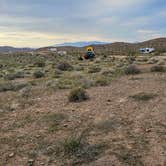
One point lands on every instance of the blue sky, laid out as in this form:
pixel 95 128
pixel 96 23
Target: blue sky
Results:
pixel 36 23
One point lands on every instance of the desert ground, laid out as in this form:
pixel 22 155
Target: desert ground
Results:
pixel 58 110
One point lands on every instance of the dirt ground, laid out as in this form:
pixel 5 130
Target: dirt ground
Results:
pixel 133 131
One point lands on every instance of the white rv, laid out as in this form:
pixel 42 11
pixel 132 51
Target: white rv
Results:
pixel 146 50
pixel 53 49
pixel 62 53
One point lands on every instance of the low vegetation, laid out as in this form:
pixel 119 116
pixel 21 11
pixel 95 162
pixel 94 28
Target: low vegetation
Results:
pixel 38 74
pixel 46 101
pixel 64 66
pixel 143 96
pixel 78 95
pixel 132 69
pixel 158 68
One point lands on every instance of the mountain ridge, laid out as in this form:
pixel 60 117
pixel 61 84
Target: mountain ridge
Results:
pixel 117 47
pixel 80 43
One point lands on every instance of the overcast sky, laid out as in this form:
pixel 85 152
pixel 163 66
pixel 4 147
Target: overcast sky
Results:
pixel 36 23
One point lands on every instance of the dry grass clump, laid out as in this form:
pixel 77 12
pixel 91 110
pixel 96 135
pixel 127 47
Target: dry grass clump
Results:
pixel 78 95
pixel 132 69
pixel 158 68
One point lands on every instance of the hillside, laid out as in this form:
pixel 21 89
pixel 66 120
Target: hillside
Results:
pixel 117 48
pixel 80 44
pixel 59 110
pixel 6 49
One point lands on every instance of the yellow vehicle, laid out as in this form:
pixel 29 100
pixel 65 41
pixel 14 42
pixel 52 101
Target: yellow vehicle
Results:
pixel 90 54
pixel 90 49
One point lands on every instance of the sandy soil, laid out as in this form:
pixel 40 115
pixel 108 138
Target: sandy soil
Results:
pixel 134 131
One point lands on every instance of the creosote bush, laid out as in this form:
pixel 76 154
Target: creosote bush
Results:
pixel 102 81
pixel 40 63
pixel 158 68
pixel 142 96
pixel 94 69
pixel 64 66
pixel 38 74
pixel 78 95
pixel 132 69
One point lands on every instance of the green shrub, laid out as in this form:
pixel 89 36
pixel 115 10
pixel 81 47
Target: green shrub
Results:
pixel 81 150
pixel 94 69
pixel 64 66
pixel 158 68
pixel 143 96
pixel 132 69
pixel 54 120
pixel 11 86
pixel 38 74
pixel 77 95
pixel 72 145
pixel 102 81
pixel 9 77
pixel 40 63
pixel 57 73
pixel 19 74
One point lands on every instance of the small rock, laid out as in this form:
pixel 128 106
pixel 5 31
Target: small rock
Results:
pixel 1 110
pixel 148 130
pixel 65 125
pixel 37 136
pixel 11 154
pixel 31 162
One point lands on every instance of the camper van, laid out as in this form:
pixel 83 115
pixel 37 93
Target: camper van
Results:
pixel 147 50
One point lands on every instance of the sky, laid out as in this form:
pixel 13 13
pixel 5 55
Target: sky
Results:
pixel 38 23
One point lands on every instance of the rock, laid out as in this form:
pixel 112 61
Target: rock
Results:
pixel 148 130
pixel 1 110
pixel 65 125
pixel 11 154
pixel 31 162
pixel 38 136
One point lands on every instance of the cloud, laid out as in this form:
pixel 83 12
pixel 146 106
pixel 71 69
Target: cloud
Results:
pixel 49 22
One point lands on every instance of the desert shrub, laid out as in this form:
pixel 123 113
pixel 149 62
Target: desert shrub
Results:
pixel 86 83
pixel 38 74
pixel 102 81
pixel 132 69
pixel 72 145
pixel 54 121
pixel 158 68
pixel 94 69
pixel 81 150
pixel 9 77
pixel 131 57
pixel 20 74
pixel 57 73
pixel 143 96
pixel 11 86
pixel 13 76
pixel 1 66
pixel 108 125
pixel 79 68
pixel 40 63
pixel 107 72
pixel 64 66
pixel 153 61
pixel 26 92
pixel 77 95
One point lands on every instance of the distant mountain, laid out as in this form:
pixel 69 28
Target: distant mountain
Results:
pixel 4 49
pixel 80 44
pixel 117 48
